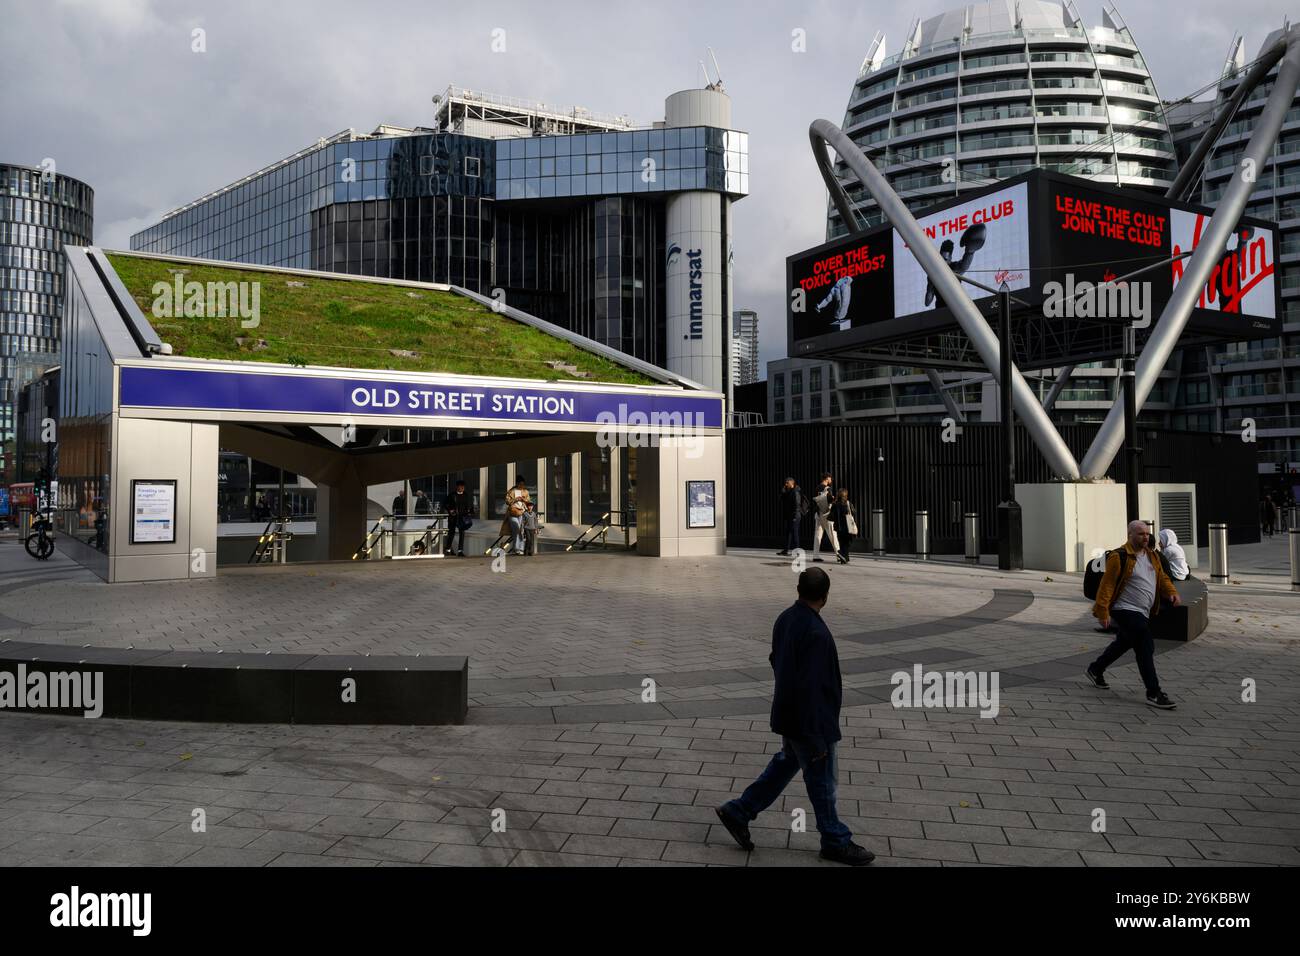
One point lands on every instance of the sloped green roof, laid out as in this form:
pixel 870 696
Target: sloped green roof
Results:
pixel 353 323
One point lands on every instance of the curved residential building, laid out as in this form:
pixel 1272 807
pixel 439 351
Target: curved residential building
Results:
pixel 40 210
pixel 1255 381
pixel 978 94
pixel 990 90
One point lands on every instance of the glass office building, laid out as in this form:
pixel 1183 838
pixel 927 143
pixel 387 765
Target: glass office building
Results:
pixel 39 212
pixel 570 227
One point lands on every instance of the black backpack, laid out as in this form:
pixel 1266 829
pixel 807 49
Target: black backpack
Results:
pixel 805 505
pixel 1092 576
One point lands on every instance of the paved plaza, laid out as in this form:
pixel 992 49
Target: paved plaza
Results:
pixel 589 773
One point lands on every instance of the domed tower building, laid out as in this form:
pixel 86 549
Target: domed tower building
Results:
pixel 978 94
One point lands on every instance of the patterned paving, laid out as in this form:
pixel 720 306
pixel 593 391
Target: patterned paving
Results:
pixel 588 774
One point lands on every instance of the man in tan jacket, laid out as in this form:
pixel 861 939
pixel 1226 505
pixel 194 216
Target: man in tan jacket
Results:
pixel 1130 594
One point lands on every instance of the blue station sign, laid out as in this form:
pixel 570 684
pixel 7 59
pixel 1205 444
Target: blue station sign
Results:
pixel 171 387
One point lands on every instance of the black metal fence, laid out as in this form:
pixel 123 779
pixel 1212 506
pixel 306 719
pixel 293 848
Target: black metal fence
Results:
pixel 904 468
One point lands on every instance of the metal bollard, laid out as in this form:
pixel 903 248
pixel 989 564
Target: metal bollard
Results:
pixel 971 522
pixel 1294 535
pixel 1219 553
pixel 923 534
pixel 877 530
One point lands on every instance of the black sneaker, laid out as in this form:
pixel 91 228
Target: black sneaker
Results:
pixel 783 554
pixel 850 854
pixel 739 831
pixel 1160 701
pixel 1097 679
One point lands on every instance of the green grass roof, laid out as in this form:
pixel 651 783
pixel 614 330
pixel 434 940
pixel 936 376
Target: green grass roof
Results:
pixel 305 320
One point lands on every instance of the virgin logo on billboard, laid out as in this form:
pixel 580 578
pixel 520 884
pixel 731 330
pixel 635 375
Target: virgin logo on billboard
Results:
pixel 1241 281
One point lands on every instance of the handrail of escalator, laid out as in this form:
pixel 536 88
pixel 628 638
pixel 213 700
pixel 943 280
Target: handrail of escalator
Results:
pixel 262 539
pixel 368 545
pixel 602 527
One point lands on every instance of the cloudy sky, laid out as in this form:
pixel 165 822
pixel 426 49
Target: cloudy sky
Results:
pixel 112 91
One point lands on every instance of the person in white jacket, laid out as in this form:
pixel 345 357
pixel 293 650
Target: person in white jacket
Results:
pixel 822 501
pixel 1174 556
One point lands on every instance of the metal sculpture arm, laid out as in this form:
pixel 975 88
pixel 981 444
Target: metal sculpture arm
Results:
pixel 1174 319
pixel 824 132
pixel 1192 168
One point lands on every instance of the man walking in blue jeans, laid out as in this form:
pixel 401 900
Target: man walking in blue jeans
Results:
pixel 806 713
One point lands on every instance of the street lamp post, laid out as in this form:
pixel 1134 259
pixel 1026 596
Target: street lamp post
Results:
pixel 1011 552
pixel 1128 380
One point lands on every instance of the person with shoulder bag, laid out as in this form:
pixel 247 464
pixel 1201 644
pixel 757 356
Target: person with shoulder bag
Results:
pixel 517 500
pixel 843 517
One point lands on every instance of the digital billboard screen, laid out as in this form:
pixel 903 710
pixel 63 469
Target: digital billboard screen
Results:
pixel 1094 235
pixel 845 286
pixel 1040 233
pixel 985 239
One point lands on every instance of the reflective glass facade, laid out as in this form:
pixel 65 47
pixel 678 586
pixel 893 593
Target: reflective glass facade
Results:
pixel 569 228
pixel 607 164
pixel 38 214
pixel 85 432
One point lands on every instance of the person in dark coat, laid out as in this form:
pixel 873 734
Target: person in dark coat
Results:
pixel 791 515
pixel 842 512
pixel 460 514
pixel 806 714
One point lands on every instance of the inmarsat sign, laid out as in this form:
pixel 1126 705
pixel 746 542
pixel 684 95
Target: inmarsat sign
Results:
pixel 1029 232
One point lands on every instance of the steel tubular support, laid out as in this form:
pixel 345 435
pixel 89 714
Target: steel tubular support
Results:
pixel 1174 319
pixel 822 133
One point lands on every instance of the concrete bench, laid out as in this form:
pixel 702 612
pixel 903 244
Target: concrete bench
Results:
pixel 256 688
pixel 1189 619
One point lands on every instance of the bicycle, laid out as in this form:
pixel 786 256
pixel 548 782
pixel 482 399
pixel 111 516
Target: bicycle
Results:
pixel 40 543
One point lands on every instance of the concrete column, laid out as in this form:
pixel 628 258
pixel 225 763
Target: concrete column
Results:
pixel 662 473
pixel 340 517
pixel 575 488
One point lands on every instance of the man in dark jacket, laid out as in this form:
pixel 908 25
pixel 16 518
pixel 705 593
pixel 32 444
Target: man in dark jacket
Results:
pixel 806 713
pixel 459 514
pixel 791 515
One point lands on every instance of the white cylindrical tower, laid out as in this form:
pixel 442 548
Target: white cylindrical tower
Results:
pixel 698 245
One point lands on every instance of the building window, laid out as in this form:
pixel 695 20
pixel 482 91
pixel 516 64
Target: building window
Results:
pixel 815 380
pixel 472 166
pixel 796 410
pixel 815 407
pixel 426 165
pixel 835 404
pixel 778 385
pixel 796 383
pixel 778 413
